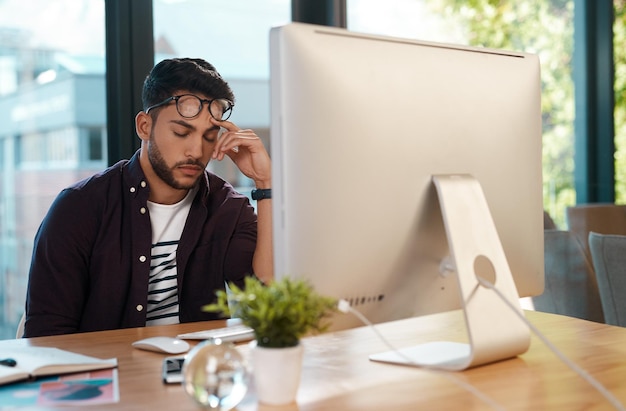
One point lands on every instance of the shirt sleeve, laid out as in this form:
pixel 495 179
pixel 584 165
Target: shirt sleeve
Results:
pixel 58 274
pixel 240 253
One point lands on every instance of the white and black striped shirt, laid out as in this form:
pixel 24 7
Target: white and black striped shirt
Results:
pixel 167 222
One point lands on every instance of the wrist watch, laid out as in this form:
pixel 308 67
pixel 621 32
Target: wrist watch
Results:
pixel 261 193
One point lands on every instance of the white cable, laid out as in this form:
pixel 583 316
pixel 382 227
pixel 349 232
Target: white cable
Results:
pixel 345 307
pixel 581 372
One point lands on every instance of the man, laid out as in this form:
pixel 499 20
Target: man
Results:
pixel 149 240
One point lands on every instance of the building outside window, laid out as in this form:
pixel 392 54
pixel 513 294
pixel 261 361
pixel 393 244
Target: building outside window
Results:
pixel 52 123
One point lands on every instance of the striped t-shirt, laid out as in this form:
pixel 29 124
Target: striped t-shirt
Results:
pixel 167 226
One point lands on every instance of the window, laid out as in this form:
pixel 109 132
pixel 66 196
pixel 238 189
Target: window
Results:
pixel 52 123
pixel 234 37
pixel 536 26
pixel 52 89
pixel 53 101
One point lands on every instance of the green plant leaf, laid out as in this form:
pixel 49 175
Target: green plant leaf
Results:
pixel 280 313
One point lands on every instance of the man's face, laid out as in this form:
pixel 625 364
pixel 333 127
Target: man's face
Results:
pixel 179 148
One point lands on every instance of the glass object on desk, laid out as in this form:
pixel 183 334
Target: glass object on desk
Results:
pixel 215 375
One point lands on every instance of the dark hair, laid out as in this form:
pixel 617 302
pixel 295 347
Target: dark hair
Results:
pixel 188 74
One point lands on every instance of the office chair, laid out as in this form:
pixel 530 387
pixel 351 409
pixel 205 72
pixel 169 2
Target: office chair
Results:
pixel 603 218
pixel 570 284
pixel 608 252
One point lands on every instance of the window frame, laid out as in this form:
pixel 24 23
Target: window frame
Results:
pixel 130 55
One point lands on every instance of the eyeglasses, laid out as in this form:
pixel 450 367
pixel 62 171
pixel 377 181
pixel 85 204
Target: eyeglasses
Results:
pixel 189 106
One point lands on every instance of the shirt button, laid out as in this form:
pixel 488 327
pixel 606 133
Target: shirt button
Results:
pixel 143 184
pixel 142 258
pixel 142 210
pixel 132 189
pixel 139 307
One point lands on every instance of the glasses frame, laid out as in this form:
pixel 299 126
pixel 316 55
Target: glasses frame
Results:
pixel 208 102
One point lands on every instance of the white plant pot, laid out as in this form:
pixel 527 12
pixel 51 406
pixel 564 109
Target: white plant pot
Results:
pixel 276 373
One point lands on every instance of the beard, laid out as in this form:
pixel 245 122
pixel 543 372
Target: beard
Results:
pixel 163 171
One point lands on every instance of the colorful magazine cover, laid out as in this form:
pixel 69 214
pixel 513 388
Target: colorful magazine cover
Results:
pixel 85 388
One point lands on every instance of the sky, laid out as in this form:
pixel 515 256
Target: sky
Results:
pixel 58 24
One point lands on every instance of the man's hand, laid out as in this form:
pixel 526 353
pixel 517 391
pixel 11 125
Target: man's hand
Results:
pixel 246 150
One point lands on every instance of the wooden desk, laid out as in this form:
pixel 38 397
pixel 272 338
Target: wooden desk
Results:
pixel 337 374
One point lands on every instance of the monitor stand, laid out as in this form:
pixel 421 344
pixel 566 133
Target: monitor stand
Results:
pixel 495 331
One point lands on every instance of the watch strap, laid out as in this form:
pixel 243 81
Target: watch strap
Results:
pixel 261 193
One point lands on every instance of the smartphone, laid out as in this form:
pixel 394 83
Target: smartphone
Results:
pixel 172 370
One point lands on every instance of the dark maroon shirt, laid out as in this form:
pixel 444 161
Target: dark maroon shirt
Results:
pixel 91 257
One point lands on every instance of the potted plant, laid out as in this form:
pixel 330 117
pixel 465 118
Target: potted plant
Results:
pixel 280 313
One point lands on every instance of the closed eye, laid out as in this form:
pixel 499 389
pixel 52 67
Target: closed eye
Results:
pixel 183 134
pixel 181 128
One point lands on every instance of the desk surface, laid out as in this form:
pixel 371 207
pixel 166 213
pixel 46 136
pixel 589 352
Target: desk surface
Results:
pixel 337 374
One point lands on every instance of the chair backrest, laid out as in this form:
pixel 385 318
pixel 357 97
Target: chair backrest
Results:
pixel 570 284
pixel 604 218
pixel 20 327
pixel 608 252
pixel 548 222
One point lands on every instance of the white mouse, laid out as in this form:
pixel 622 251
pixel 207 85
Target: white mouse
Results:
pixel 169 345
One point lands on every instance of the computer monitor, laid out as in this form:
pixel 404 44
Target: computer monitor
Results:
pixel 359 125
